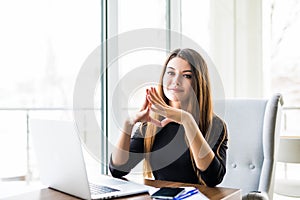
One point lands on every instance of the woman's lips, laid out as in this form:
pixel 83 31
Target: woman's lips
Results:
pixel 175 89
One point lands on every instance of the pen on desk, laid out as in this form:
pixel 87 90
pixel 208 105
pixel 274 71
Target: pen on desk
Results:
pixel 187 194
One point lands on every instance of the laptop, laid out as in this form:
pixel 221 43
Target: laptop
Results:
pixel 62 166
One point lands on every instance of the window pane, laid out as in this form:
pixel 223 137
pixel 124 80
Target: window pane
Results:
pixel 43 46
pixel 150 14
pixel 285 60
pixel 195 21
pixel 12 144
pixel 127 75
pixel 136 14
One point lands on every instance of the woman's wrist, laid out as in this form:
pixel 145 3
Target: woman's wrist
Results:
pixel 128 125
pixel 186 117
pixel 178 115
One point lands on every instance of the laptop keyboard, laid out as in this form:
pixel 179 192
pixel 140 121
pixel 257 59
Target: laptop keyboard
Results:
pixel 100 189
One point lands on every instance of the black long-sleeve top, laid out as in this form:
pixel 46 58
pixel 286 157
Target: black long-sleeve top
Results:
pixel 170 157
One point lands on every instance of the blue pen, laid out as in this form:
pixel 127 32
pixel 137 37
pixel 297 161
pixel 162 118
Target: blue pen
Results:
pixel 188 194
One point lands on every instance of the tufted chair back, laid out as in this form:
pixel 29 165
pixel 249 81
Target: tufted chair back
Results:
pixel 253 127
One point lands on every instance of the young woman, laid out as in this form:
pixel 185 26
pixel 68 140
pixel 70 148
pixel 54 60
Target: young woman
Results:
pixel 180 138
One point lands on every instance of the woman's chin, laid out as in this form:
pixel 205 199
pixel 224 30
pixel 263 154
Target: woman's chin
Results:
pixel 173 98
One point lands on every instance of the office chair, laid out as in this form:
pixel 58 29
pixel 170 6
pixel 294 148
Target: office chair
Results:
pixel 288 152
pixel 253 131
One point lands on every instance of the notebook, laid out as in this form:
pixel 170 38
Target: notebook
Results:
pixel 62 167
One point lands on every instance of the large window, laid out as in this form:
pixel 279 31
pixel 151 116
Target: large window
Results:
pixel 136 67
pixel 43 46
pixel 284 60
pixel 283 71
pixel 197 25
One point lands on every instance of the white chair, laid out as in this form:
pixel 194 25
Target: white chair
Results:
pixel 253 128
pixel 289 152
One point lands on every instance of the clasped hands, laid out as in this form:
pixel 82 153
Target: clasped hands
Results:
pixel 154 103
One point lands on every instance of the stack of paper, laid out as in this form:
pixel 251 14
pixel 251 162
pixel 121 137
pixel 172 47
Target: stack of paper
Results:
pixel 191 193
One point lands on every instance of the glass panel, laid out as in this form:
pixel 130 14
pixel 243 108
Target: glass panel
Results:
pixel 284 70
pixel 136 68
pixel 150 14
pixel 13 144
pixel 137 14
pixel 43 46
pixel 195 21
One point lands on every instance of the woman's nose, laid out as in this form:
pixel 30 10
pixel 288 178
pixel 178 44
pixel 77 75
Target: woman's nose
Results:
pixel 177 80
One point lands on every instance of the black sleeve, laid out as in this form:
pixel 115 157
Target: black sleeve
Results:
pixel 215 172
pixel 136 154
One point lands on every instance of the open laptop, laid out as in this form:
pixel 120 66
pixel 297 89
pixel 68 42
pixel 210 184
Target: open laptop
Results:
pixel 62 167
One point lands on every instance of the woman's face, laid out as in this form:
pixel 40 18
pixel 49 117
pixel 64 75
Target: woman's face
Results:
pixel 177 82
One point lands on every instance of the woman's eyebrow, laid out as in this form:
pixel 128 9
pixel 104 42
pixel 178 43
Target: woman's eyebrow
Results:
pixel 171 67
pixel 188 70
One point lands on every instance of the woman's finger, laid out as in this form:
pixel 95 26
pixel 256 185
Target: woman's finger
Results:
pixel 158 97
pixel 152 100
pixel 155 98
pixel 146 102
pixel 158 109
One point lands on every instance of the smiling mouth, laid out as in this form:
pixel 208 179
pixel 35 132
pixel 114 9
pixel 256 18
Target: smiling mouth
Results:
pixel 175 90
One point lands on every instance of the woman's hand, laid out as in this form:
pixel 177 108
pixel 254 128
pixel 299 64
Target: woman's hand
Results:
pixel 144 114
pixel 160 107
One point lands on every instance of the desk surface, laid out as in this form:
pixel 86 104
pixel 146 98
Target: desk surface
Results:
pixel 211 193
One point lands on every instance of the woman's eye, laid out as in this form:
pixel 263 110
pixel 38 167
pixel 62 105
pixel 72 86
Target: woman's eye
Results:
pixel 188 76
pixel 171 73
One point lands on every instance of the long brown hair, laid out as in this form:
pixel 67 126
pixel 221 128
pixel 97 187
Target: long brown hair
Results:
pixel 200 107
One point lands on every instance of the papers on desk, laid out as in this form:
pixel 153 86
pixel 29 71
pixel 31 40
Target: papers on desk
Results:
pixel 190 193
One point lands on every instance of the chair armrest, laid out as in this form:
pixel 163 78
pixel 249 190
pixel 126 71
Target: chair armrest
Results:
pixel 256 195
